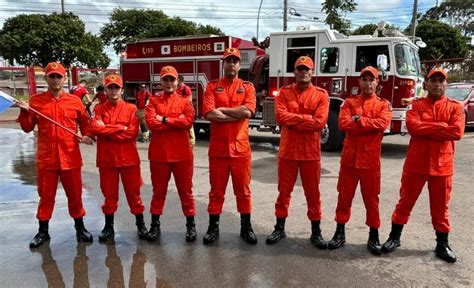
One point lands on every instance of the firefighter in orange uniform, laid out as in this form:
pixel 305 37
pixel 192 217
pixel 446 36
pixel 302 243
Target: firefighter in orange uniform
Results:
pixel 58 154
pixel 142 98
pixel 228 103
pixel 115 123
pixel 434 123
pixel 301 111
pixel 364 118
pixel 170 116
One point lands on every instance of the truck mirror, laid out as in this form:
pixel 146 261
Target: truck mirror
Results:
pixel 382 62
pixel 384 76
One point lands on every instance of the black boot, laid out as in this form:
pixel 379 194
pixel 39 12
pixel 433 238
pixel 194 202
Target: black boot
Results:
pixel 393 240
pixel 443 251
pixel 246 231
pixel 212 233
pixel 108 231
pixel 155 230
pixel 316 237
pixel 373 244
pixel 82 235
pixel 42 236
pixel 190 229
pixel 339 237
pixel 278 233
pixel 142 232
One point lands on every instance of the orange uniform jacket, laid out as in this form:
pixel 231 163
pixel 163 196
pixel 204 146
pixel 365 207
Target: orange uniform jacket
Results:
pixel 57 149
pixel 116 147
pixel 433 128
pixel 302 116
pixel 363 138
pixel 229 139
pixel 170 140
pixel 142 98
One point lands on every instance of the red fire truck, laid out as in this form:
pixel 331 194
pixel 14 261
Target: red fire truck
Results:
pixel 338 59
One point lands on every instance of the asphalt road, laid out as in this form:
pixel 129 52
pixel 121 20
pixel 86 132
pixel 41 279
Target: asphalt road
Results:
pixel 171 262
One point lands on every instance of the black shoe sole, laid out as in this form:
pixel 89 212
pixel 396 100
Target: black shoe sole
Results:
pixel 331 247
pixel 385 250
pixel 37 246
pixel 271 242
pixel 111 237
pixel 207 242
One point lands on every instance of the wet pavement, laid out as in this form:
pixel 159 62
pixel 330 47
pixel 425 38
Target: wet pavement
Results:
pixel 172 262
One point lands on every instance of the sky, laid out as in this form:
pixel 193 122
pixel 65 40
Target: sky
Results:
pixel 234 18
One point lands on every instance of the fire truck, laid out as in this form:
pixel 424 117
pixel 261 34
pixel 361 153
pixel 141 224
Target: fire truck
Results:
pixel 338 61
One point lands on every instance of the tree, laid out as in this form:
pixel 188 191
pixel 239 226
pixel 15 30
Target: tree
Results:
pixel 442 40
pixel 334 9
pixel 458 13
pixel 40 39
pixel 134 24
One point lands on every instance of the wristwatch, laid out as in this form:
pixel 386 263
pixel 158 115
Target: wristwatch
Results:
pixel 356 118
pixel 164 119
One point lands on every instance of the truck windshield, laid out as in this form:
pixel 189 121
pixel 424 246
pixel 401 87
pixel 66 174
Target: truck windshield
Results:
pixel 407 60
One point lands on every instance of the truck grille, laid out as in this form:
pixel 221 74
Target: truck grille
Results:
pixel 269 118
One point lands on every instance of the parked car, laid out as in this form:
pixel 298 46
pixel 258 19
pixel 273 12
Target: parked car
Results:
pixel 464 93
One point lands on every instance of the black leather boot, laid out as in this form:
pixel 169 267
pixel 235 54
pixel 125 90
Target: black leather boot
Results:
pixel 142 232
pixel 190 229
pixel 316 237
pixel 155 230
pixel 108 231
pixel 393 240
pixel 442 250
pixel 246 231
pixel 82 235
pixel 339 237
pixel 278 233
pixel 373 244
pixel 42 236
pixel 212 233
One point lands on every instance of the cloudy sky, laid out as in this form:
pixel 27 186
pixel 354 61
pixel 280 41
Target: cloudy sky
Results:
pixel 235 18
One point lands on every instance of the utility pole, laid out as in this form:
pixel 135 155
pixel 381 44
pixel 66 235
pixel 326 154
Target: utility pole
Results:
pixel 285 15
pixel 62 7
pixel 413 20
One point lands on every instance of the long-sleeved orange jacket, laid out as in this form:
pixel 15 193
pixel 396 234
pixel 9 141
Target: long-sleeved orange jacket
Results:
pixel 433 126
pixel 169 140
pixel 57 149
pixel 229 139
pixel 301 117
pixel 363 140
pixel 116 145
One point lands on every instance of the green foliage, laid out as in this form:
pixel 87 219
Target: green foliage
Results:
pixel 134 24
pixel 334 9
pixel 442 40
pixel 40 39
pixel 458 13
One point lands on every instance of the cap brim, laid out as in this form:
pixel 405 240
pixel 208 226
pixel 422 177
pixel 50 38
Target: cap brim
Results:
pixel 169 74
pixel 304 65
pixel 55 72
pixel 445 76
pixel 231 55
pixel 108 84
pixel 369 72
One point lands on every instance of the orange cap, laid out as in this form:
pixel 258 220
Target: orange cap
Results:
pixel 231 52
pixel 113 79
pixel 371 70
pixel 304 61
pixel 55 68
pixel 438 70
pixel 168 71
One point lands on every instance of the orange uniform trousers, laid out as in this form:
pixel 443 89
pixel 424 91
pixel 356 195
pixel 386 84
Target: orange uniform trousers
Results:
pixel 370 188
pixel 47 182
pixel 310 172
pixel 131 180
pixel 439 188
pixel 183 178
pixel 219 170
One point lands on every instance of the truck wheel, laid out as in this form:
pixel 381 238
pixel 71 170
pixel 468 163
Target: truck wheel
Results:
pixel 331 137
